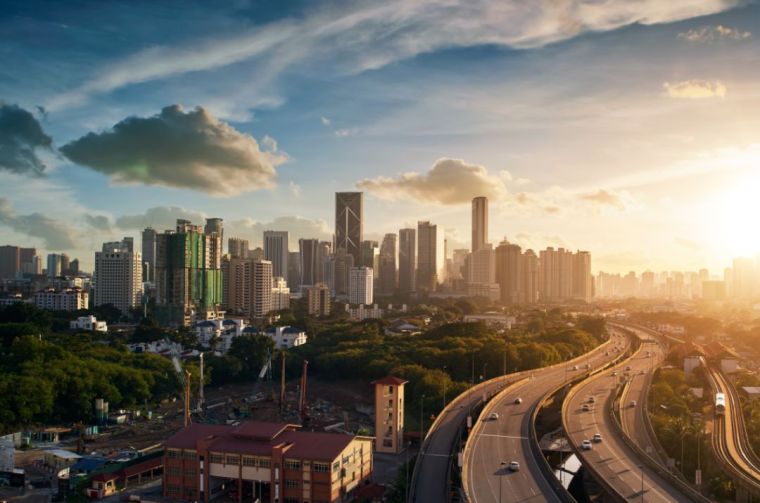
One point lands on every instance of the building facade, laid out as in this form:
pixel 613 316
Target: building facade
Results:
pixel 118 275
pixel 407 260
pixel 149 254
pixel 277 252
pixel 318 299
pixel 388 273
pixel 389 414
pixel 72 299
pixel 431 263
pixel 349 223
pixel 361 285
pixel 479 223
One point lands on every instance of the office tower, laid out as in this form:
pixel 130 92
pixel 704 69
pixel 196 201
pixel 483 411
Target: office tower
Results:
pixel 307 249
pixel 338 270
pixel 430 260
pixel 479 223
pixel 360 285
pixel 349 223
pixel 294 268
pixel 318 298
pixel 262 288
pixel 149 254
pixel 237 247
pixel 118 276
pixel 582 279
pixel 237 285
pixel 188 275
pixel 387 265
pixel 530 277
pixel 509 272
pixel 277 252
pixel 457 269
pixel 407 260
pixel 53 265
pixel 29 261
pixel 65 263
pixel 370 253
pixel 10 261
pixel 322 256
pixel 74 267
pixel 481 273
pixel 280 294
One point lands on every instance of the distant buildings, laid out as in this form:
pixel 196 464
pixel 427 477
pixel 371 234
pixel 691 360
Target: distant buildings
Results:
pixel 89 323
pixel 237 247
pixel 149 254
pixel 118 275
pixel 286 337
pixel 361 285
pixel 479 223
pixel 318 300
pixel 430 256
pixel 15 260
pixel 280 294
pixel 276 251
pixel 309 264
pixel 72 299
pixel 407 260
pixel 387 272
pixel 248 287
pixel 349 224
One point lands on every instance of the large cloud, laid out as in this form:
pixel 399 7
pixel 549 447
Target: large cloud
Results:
pixel 175 148
pixel 696 89
pixel 449 181
pixel 165 217
pixel 22 140
pixel 55 234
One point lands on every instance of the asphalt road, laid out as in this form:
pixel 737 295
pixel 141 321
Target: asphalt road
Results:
pixel 505 439
pixel 615 462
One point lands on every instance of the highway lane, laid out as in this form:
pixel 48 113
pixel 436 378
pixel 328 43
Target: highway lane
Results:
pixel 617 465
pixel 506 439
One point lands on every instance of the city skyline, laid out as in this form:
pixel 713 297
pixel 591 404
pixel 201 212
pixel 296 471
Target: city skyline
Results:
pixel 647 162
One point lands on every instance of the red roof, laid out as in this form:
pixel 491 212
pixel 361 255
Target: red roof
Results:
pixel 390 380
pixel 259 439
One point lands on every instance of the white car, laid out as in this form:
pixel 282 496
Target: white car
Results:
pixel 632 404
pixel 586 445
pixel 518 400
pixel 597 437
pixel 514 466
pixel 493 416
pixel 575 367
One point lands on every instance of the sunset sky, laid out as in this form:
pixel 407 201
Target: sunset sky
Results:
pixel 627 128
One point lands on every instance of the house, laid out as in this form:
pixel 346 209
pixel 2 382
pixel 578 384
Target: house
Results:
pixel 286 337
pixel 89 323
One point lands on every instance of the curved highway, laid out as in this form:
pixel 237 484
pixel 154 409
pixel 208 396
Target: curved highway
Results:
pixel 494 443
pixel 613 462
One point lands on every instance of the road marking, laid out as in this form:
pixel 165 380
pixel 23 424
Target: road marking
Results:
pixel 502 436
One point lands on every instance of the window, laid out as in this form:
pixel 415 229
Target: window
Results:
pixel 291 484
pixel 336 466
pixel 390 390
pixel 292 464
pixel 322 467
pixel 172 470
pixel 232 459
pixel 172 453
pixel 264 462
pixel 249 461
pixel 390 403
pixel 215 457
pixel 189 454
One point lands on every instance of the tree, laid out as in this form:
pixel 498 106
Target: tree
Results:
pixel 251 350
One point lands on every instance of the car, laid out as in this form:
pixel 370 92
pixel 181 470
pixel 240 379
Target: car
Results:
pixel 493 416
pixel 606 353
pixel 575 367
pixel 585 407
pixel 588 365
pixel 614 373
pixel 586 445
pixel 627 368
pixel 632 404
pixel 592 399
pixel 518 400
pixel 514 466
pixel 597 437
pixel 643 372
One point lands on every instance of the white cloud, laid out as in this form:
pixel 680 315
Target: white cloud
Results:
pixel 325 121
pixel 713 34
pixel 695 89
pixel 361 36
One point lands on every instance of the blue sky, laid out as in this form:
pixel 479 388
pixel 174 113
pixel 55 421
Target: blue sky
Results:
pixel 624 128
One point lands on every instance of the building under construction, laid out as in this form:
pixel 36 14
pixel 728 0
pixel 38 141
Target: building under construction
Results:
pixel 276 462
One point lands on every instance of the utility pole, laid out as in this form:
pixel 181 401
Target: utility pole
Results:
pixel 282 385
pixel 200 389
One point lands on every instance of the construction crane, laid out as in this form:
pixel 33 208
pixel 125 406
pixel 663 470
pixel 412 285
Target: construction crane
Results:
pixel 185 379
pixel 302 398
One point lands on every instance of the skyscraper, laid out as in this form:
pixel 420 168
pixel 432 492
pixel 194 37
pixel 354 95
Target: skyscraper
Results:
pixel 322 257
pixel 582 280
pixel 294 268
pixel 216 226
pixel 479 223
pixel 308 257
pixel 430 260
pixel 149 254
pixel 349 230
pixel 318 298
pixel 53 265
pixel 262 288
pixel 338 269
pixel 361 285
pixel 407 260
pixel 277 252
pixel 387 265
pixel 10 261
pixel 370 253
pixel 118 275
pixel 188 275
pixel 237 247
pixel 509 272
pixel 530 277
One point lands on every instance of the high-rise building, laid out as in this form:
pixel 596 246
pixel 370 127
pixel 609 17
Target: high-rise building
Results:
pixel 74 267
pixel 118 275
pixel 294 268
pixel 479 223
pixel 262 288
pixel 387 265
pixel 188 274
pixel 389 414
pixel 582 279
pixel 10 261
pixel 66 263
pixel 280 294
pixel 237 247
pixel 339 266
pixel 318 298
pixel 481 273
pixel 509 272
pixel 215 227
pixel 430 259
pixel 54 265
pixel 530 277
pixel 237 285
pixel 360 285
pixel 276 250
pixel 256 254
pixel 370 252
pixel 564 275
pixel 407 260
pixel 743 281
pixel 349 223
pixel 149 254
pixel 308 249
pixel 322 257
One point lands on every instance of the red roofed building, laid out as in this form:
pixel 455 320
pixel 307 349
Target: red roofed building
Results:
pixel 389 414
pixel 273 461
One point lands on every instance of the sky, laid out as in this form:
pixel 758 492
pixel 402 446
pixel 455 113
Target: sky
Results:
pixel 626 128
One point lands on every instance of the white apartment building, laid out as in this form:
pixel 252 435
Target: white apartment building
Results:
pixel 360 285
pixel 118 275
